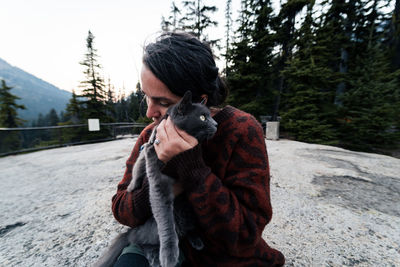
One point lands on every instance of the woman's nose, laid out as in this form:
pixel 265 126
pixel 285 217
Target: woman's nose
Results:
pixel 152 110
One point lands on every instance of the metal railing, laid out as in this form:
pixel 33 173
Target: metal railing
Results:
pixel 28 139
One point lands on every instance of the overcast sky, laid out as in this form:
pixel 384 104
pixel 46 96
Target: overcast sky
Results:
pixel 47 38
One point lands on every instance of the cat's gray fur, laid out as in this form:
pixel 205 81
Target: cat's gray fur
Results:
pixel 159 236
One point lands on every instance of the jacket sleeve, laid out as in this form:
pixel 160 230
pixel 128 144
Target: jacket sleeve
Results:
pixel 132 209
pixel 232 204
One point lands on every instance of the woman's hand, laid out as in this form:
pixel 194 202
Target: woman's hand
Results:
pixel 172 141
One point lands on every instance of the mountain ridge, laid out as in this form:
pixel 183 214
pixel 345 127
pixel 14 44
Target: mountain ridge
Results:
pixel 37 95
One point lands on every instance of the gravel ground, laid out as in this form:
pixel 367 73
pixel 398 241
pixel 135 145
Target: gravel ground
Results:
pixel 332 207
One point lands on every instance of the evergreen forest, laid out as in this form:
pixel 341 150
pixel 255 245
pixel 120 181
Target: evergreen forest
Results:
pixel 329 71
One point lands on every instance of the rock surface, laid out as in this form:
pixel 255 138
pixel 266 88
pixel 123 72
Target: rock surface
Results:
pixel 332 207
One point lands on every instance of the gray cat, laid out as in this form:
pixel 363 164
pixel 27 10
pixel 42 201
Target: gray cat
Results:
pixel 172 218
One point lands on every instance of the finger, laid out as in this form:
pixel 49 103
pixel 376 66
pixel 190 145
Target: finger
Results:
pixel 171 130
pixel 161 132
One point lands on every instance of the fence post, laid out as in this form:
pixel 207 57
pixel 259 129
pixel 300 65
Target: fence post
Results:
pixel 272 131
pixel 59 136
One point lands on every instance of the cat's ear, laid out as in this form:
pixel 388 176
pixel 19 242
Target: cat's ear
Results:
pixel 185 102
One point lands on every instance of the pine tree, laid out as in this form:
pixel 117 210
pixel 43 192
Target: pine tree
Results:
pixel 198 18
pixel 74 110
pixel 41 122
pixel 395 55
pixel 309 113
pixel 371 103
pixel 121 108
pixel 174 22
pixel 94 95
pixel 63 117
pixel 110 102
pixel 52 118
pixel 263 57
pixel 284 26
pixel 228 33
pixel 142 104
pixel 73 116
pixel 9 141
pixel 344 26
pixel 8 108
pixel 370 106
pixel 394 36
pixel 165 24
pixel 241 75
pixel 249 58
pixel 134 103
pixel 50 136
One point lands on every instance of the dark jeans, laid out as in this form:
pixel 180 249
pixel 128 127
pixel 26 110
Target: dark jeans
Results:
pixel 131 260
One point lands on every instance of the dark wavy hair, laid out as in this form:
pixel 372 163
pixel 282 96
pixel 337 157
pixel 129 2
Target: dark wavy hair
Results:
pixel 182 62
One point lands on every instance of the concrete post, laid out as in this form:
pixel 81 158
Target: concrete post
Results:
pixel 94 124
pixel 272 131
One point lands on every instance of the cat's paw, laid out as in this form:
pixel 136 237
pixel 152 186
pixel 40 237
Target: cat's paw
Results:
pixel 134 184
pixel 169 254
pixel 130 187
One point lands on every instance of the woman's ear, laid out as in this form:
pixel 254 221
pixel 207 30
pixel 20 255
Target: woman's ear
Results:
pixel 204 99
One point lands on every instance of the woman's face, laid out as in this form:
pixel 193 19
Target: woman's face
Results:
pixel 158 96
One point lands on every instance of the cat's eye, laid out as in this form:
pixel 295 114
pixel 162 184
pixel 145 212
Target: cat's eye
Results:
pixel 202 117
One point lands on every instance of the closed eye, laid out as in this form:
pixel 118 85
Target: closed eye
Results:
pixel 160 101
pixel 164 104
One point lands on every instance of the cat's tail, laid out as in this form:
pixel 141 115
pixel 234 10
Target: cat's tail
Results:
pixel 113 251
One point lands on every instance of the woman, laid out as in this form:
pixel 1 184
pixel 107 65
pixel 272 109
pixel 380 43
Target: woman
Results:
pixel 225 179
